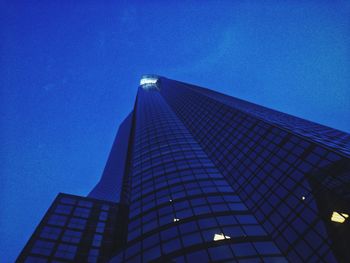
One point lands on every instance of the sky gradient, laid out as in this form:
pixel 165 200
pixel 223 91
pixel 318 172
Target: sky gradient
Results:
pixel 69 73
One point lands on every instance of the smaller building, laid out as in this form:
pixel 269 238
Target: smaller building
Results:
pixel 76 229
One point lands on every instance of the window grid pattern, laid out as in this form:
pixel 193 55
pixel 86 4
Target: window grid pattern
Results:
pixel 173 184
pixel 316 132
pixel 71 228
pixel 267 167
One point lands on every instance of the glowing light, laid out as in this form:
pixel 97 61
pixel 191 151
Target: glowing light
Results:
pixel 339 217
pixel 148 80
pixel 303 198
pixel 176 220
pixel 220 237
pixel 170 200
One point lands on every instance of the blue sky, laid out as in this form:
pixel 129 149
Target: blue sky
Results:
pixel 69 73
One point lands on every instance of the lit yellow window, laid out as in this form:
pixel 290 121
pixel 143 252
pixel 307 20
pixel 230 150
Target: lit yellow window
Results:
pixel 339 217
pixel 220 237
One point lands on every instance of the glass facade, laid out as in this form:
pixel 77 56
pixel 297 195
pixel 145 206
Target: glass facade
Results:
pixel 196 175
pixel 181 207
pixel 76 229
pixel 272 169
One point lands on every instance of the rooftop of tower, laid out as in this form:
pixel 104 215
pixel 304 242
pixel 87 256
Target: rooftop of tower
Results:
pixel 149 81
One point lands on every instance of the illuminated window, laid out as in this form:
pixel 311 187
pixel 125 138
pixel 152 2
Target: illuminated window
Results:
pixel 220 237
pixel 339 217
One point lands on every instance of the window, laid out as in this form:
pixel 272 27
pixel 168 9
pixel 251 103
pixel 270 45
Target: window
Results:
pixel 169 233
pixel 57 220
pixel 266 248
pixel 66 251
pixel 93 255
pixel 32 259
pixel 198 256
pixel 50 232
pixel 81 212
pixel 191 239
pixel 171 246
pixel 254 230
pixel 97 240
pixel 77 223
pixel 42 247
pixel 246 219
pixel 71 236
pixel 105 207
pixel 63 209
pixel 67 200
pixel 84 203
pixel 243 250
pixel 103 216
pixel 100 227
pixel 151 254
pixel 220 253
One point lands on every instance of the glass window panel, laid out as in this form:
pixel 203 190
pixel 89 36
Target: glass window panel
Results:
pixel 254 230
pixel 246 219
pixel 171 245
pixel 243 249
pixel 266 248
pixel 63 209
pixel 226 220
pixel 103 216
pixel 82 212
pixel 237 207
pixel 100 227
pixel 220 253
pixel 97 240
pixel 105 207
pixel 188 227
pixel 132 250
pixel 50 232
pixel 71 236
pixel 57 220
pixel 198 256
pixel 77 223
pixel 66 251
pixel 233 231
pixel 42 247
pixel 67 200
pixel 207 223
pixel 151 254
pixel 151 241
pixel 32 259
pixel 169 233
pixel 191 239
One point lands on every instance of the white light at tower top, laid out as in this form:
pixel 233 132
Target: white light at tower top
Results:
pixel 149 81
pixel 144 81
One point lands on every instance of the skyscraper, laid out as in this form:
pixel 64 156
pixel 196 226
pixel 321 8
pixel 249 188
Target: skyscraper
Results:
pixel 195 175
